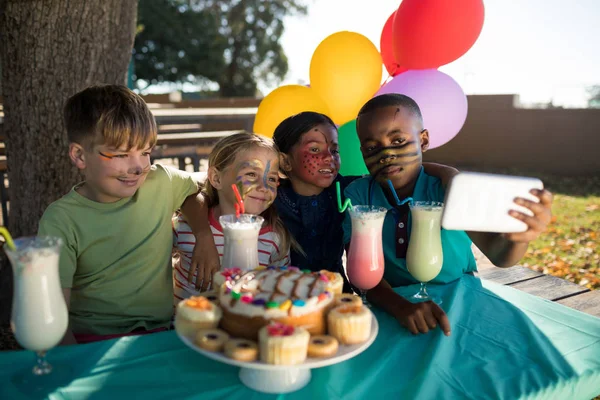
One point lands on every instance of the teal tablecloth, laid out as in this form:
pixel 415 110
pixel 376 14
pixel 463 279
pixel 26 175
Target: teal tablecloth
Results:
pixel 505 344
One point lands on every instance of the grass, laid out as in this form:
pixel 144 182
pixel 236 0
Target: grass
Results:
pixel 569 248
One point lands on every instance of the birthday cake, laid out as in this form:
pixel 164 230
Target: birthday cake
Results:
pixel 287 295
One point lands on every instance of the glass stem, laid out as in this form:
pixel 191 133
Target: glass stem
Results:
pixel 41 366
pixel 363 296
pixel 423 291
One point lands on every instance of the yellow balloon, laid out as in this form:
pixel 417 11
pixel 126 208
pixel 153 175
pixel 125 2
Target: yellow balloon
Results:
pixel 345 70
pixel 284 102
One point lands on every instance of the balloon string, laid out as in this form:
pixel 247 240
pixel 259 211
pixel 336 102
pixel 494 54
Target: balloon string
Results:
pixel 386 80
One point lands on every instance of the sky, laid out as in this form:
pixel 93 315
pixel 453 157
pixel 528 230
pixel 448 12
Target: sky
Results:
pixel 542 50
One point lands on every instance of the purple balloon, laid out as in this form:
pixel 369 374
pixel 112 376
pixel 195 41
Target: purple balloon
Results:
pixel 441 100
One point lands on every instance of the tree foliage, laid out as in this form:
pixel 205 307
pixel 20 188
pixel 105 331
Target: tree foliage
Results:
pixel 594 96
pixel 235 44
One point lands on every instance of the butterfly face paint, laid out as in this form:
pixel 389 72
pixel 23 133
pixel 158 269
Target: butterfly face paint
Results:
pixel 256 179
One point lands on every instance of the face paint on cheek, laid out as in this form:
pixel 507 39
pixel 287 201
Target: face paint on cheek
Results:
pixel 267 170
pixel 393 155
pixel 244 184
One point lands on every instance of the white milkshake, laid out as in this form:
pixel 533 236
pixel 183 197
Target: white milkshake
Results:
pixel 39 316
pixel 424 257
pixel 241 241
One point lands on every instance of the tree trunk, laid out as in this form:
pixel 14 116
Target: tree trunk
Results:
pixel 49 51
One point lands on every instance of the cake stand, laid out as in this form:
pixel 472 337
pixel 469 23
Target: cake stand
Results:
pixel 269 378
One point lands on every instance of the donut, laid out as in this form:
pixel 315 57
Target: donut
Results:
pixel 241 350
pixel 348 299
pixel 211 339
pixel 322 346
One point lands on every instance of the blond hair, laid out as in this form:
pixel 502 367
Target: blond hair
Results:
pixel 109 115
pixel 223 155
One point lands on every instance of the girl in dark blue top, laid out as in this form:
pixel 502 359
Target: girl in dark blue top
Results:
pixel 306 201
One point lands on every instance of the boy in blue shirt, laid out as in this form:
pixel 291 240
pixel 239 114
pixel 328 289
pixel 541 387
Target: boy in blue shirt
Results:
pixel 392 139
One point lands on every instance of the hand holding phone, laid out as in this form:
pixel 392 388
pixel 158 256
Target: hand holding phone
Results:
pixel 481 203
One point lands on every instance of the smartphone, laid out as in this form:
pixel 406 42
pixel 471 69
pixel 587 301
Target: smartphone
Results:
pixel 480 202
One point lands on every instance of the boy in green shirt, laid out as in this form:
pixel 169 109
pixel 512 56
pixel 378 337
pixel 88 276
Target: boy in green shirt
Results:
pixel 115 264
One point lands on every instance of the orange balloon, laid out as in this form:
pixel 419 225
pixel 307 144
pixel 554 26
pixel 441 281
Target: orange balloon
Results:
pixel 284 102
pixel 345 71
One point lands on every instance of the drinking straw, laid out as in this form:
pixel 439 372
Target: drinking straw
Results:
pixel 240 203
pixel 9 241
pixel 398 202
pixel 347 203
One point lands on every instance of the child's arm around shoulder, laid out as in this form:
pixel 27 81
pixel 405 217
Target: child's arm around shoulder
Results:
pixel 443 172
pixel 205 257
pixel 182 183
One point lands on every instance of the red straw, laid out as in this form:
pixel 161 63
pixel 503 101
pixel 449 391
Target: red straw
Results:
pixel 240 203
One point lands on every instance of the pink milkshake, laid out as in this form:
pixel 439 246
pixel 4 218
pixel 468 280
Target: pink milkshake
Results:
pixel 365 257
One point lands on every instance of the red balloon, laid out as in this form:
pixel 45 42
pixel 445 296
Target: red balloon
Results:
pixel 432 33
pixel 386 44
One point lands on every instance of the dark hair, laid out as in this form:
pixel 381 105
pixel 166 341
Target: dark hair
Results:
pixel 291 129
pixel 111 115
pixel 391 99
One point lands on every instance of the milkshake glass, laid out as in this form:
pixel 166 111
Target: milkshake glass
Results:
pixel 241 240
pixel 39 317
pixel 424 257
pixel 365 262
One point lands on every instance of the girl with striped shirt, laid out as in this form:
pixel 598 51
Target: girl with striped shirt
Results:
pixel 250 162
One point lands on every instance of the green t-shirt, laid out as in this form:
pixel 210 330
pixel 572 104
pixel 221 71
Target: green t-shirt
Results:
pixel 116 257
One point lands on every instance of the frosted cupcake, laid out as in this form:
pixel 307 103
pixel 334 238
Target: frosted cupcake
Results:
pixel 282 344
pixel 196 313
pixel 349 324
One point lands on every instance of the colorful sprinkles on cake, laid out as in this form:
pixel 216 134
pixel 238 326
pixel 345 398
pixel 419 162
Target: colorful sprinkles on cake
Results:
pixel 311 282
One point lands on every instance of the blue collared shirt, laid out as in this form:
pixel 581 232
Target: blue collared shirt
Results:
pixel 456 245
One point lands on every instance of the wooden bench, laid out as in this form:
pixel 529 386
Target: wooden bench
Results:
pixel 545 286
pixel 192 145
pixel 244 117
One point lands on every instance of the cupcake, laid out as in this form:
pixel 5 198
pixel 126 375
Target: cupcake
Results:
pixel 334 280
pixel 347 299
pixel 196 313
pixel 282 344
pixel 349 324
